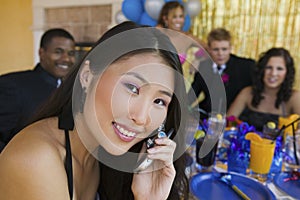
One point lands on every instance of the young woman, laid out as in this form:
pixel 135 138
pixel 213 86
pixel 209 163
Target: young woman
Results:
pixel 117 97
pixel 172 17
pixel 191 49
pixel 272 94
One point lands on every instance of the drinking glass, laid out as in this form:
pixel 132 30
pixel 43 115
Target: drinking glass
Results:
pixel 224 144
pixel 205 162
pixel 272 133
pixel 269 132
pixel 261 156
pixel 291 152
pixel 206 147
pixel 216 124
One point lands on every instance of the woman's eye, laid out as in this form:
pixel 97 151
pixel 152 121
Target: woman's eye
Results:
pixel 132 88
pixel 160 102
pixel 268 67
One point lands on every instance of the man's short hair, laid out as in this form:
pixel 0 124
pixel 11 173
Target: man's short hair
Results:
pixel 52 33
pixel 218 34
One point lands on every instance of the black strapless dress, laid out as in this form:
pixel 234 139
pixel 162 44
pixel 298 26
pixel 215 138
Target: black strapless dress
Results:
pixel 258 119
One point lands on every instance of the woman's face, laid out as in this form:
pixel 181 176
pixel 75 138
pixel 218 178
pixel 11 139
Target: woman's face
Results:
pixel 131 100
pixel 175 19
pixel 275 72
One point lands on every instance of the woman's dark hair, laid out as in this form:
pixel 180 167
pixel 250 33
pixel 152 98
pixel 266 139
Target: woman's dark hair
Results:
pixel 165 11
pixel 155 41
pixel 286 87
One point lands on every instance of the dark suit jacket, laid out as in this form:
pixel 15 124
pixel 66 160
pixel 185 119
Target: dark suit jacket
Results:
pixel 21 94
pixel 239 71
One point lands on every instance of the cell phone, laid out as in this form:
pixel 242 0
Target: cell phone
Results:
pixel 145 162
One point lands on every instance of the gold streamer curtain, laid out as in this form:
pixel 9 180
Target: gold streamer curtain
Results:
pixel 255 25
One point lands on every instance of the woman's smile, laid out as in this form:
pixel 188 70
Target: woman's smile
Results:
pixel 123 132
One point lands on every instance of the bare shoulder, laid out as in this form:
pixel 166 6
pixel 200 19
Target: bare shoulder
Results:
pixel 246 92
pixel 31 163
pixel 241 101
pixel 295 98
pixel 296 94
pixel 40 136
pixel 294 101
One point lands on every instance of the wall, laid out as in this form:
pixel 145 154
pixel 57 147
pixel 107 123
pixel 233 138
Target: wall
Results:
pixel 43 9
pixel 25 21
pixel 86 27
pixel 16 37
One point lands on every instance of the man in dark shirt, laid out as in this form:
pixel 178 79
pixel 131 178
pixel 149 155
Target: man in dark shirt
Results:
pixel 22 93
pixel 235 71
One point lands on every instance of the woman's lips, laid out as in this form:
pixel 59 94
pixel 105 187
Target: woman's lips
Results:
pixel 123 133
pixel 272 80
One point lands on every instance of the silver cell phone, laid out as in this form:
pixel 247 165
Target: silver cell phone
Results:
pixel 145 162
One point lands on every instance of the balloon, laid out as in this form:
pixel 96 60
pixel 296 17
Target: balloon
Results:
pixel 187 23
pixel 192 7
pixel 132 9
pixel 147 20
pixel 180 1
pixel 153 8
pixel 119 17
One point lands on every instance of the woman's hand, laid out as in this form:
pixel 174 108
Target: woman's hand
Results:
pixel 156 181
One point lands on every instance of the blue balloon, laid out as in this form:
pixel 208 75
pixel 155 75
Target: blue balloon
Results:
pixel 147 20
pixel 187 23
pixel 180 1
pixel 132 9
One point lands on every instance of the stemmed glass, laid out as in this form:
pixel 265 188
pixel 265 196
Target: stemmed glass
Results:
pixel 206 147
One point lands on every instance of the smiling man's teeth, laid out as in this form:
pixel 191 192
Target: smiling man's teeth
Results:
pixel 63 66
pixel 125 132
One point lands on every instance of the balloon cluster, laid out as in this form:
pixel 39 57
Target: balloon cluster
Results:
pixel 146 12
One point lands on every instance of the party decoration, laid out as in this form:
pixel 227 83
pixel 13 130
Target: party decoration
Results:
pixel 147 20
pixel 187 23
pixel 120 17
pixel 146 12
pixel 132 9
pixel 180 1
pixel 153 8
pixel 192 7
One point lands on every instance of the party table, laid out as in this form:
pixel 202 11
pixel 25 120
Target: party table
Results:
pixel 207 184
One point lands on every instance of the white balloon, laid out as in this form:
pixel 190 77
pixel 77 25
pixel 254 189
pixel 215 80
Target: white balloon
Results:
pixel 153 8
pixel 192 7
pixel 120 17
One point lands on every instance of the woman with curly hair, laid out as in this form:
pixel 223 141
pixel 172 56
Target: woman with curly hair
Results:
pixel 272 94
